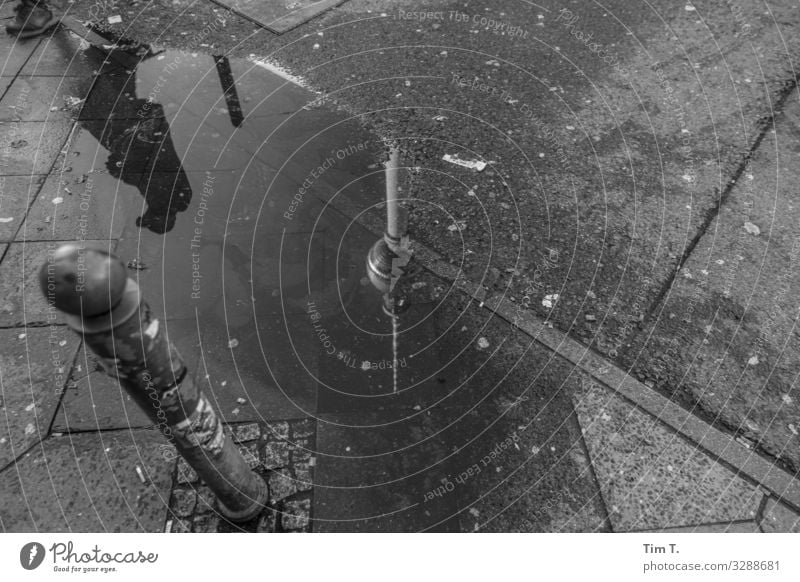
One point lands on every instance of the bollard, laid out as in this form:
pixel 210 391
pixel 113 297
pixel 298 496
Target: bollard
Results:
pixel 105 307
pixel 390 254
pixel 393 227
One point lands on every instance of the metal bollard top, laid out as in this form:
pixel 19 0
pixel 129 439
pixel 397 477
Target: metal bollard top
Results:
pixel 83 281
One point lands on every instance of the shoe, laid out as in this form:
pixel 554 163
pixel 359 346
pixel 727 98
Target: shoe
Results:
pixel 32 20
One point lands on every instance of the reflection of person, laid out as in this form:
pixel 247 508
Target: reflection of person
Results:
pixel 33 18
pixel 141 153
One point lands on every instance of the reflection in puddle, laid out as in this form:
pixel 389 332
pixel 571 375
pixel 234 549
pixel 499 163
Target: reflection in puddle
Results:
pixel 236 237
pixel 237 223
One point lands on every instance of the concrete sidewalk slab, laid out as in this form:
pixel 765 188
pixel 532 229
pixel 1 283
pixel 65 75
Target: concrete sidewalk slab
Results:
pixel 120 146
pixel 65 54
pixel 724 338
pixel 535 474
pixel 498 449
pixel 259 377
pixel 110 97
pixel 220 227
pixel 34 368
pixel 777 518
pixel 276 17
pixel 72 205
pixel 17 193
pixel 16 53
pixel 5 83
pixel 650 476
pixel 42 98
pixel 32 147
pixel 376 479
pixel 89 482
pixel 717 528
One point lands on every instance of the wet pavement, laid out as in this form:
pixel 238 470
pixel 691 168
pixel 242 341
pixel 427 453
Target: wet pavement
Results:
pixel 244 207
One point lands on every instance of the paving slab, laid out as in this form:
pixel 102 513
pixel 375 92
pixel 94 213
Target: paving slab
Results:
pixel 535 474
pixel 65 54
pixel 16 52
pixel 716 528
pixel 376 479
pixel 723 340
pixel 650 476
pixel 89 483
pixel 114 95
pixel 17 193
pixel 546 486
pixel 497 449
pixel 23 302
pixel 259 371
pixel 123 147
pixel 32 147
pixel 72 205
pixel 5 83
pixel 279 17
pixel 34 368
pixel 216 225
pixel 779 518
pixel 42 98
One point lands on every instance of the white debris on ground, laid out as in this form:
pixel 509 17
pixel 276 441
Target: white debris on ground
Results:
pixel 72 102
pixel 458 225
pixel 471 164
pixel 550 300
pixel 752 228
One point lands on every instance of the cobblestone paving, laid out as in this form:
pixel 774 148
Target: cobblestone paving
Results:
pixel 282 453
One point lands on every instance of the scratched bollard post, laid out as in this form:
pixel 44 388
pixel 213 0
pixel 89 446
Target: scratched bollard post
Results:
pixel 106 308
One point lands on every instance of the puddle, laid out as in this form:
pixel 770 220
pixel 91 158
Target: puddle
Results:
pixel 235 232
pixel 232 226
pixel 229 185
